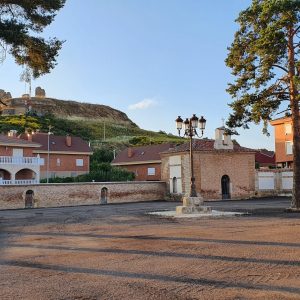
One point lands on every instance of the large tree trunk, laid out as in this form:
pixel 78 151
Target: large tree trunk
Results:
pixel 294 95
pixel 296 153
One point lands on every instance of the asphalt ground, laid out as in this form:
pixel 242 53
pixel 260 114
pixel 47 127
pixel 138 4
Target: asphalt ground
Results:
pixel 120 252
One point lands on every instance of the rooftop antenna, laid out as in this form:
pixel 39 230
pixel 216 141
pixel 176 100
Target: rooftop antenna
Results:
pixel 223 122
pixel 26 77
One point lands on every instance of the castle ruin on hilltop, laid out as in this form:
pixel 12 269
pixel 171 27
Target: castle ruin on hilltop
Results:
pixel 19 106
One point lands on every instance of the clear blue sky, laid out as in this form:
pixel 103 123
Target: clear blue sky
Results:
pixel 153 59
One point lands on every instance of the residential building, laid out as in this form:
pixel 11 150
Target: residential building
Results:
pixel 283 142
pixel 69 156
pixel 144 161
pixel 18 163
pixel 222 169
pixel 264 159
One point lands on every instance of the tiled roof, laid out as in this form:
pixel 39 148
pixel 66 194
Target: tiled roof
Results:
pixel 141 154
pixel 207 145
pixel 265 156
pixel 14 141
pixel 58 143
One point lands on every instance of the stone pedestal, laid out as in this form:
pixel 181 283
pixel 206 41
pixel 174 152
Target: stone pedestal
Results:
pixel 192 205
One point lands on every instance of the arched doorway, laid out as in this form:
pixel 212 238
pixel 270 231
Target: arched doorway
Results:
pixel 174 183
pixel 29 199
pixel 25 174
pixel 4 175
pixel 103 196
pixel 225 184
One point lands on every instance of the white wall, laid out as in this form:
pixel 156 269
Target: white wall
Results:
pixel 175 171
pixel 275 181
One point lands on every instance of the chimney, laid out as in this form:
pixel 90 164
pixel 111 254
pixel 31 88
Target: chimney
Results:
pixel 130 152
pixel 29 137
pixel 222 140
pixel 68 140
pixel 12 133
pixel 228 141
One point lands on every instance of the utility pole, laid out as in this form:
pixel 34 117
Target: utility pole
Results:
pixel 104 132
pixel 48 152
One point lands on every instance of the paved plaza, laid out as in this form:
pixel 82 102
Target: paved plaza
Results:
pixel 121 252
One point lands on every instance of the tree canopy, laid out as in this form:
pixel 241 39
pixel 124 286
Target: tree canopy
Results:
pixel 21 22
pixel 265 60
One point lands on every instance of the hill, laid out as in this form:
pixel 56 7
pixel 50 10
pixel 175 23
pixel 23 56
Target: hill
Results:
pixel 101 125
pixel 62 109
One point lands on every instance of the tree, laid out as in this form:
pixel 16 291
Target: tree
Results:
pixel 265 59
pixel 20 23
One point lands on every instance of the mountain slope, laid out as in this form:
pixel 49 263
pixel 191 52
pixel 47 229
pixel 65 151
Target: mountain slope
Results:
pixel 66 109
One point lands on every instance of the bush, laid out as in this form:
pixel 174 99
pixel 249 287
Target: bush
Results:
pixel 104 173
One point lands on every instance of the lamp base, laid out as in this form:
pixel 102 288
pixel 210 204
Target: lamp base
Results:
pixel 192 205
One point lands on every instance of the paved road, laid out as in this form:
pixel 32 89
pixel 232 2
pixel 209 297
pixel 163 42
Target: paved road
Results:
pixel 80 213
pixel 120 252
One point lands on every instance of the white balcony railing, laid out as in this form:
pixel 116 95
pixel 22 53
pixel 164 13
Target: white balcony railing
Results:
pixel 16 160
pixel 18 182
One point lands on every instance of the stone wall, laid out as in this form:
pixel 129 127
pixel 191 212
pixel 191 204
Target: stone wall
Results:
pixel 209 168
pixel 72 194
pixel 238 166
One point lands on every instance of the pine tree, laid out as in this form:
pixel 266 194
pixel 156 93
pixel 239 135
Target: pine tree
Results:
pixel 21 21
pixel 265 60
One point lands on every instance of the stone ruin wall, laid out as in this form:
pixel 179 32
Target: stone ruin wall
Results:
pixel 73 194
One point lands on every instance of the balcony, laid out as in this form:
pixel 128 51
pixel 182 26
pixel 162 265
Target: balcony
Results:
pixel 16 160
pixel 19 182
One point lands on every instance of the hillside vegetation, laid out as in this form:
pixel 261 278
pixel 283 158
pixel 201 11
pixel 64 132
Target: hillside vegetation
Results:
pixel 101 133
pixel 101 125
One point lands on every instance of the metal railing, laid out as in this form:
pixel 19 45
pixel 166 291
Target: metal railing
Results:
pixel 18 182
pixel 18 160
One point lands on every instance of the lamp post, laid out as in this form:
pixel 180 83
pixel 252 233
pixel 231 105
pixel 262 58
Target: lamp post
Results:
pixel 48 152
pixel 190 127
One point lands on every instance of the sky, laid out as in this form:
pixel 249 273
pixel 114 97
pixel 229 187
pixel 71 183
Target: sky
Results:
pixel 153 60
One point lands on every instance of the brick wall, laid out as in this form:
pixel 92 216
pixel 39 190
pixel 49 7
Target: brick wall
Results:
pixel 141 171
pixel 240 167
pixel 280 143
pixel 209 167
pixel 64 164
pixel 54 195
pixel 8 151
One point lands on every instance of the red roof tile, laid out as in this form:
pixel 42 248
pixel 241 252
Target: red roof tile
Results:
pixel 58 143
pixel 207 145
pixel 14 141
pixel 265 157
pixel 141 154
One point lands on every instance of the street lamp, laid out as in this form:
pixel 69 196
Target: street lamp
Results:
pixel 190 127
pixel 48 152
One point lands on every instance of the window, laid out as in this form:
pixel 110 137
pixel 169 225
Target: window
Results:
pixel 58 162
pixel 42 161
pixel 174 182
pixel 289 147
pixel 151 171
pixel 79 162
pixel 17 152
pixel 288 128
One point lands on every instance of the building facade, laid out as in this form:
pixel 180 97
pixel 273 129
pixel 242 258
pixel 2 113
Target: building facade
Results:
pixel 28 158
pixel 144 161
pixel 68 156
pixel 222 170
pixel 283 142
pixel 18 163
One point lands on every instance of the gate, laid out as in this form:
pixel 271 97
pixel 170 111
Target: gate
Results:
pixel 29 201
pixel 225 183
pixel 103 196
